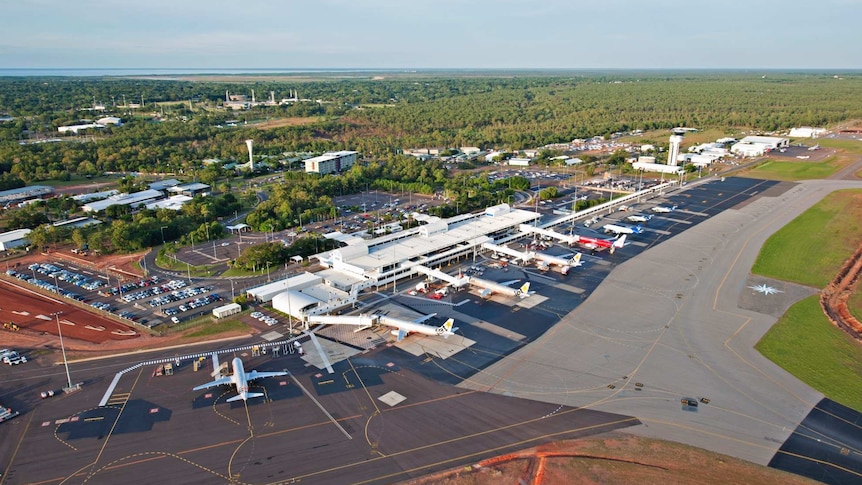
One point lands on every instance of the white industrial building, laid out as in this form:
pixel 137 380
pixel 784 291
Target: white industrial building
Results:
pixel 13 239
pixel 267 292
pixel 165 184
pixel 520 162
pixel 133 200
pixel 84 198
pixel 806 132
pixel 190 190
pixel 655 167
pixel 175 202
pixel 331 162
pixel 227 310
pixel 756 146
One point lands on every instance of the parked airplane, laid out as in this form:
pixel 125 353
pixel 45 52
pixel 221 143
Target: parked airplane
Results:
pixel 597 244
pixel 639 218
pixel 240 379
pixel 616 229
pixel 815 147
pixel 663 209
pixel 489 288
pixel 402 327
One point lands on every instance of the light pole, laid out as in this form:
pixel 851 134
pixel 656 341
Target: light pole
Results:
pixel 232 293
pixel 63 349
pixel 163 234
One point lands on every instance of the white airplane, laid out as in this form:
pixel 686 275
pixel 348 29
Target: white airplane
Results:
pixel 663 209
pixel 615 229
pixel 639 218
pixel 815 147
pixel 403 327
pixel 240 379
pixel 490 287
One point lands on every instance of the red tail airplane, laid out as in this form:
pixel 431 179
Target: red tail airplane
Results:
pixel 597 244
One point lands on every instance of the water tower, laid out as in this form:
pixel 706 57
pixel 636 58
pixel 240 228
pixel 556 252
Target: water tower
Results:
pixel 249 144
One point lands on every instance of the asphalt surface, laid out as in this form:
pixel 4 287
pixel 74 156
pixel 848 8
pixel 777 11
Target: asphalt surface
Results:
pixel 615 344
pixel 668 324
pixel 155 429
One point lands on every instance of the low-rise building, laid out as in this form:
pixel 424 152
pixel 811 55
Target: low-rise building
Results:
pixel 331 162
pixel 806 132
pixel 25 193
pixel 13 239
pixel 133 200
pixel 190 190
pixel 519 162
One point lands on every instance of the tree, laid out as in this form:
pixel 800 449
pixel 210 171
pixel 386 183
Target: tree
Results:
pixel 79 238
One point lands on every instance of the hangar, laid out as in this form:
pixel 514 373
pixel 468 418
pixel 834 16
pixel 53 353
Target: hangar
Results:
pixel 13 239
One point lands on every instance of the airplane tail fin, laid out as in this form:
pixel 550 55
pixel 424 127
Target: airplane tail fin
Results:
pixel 639 229
pixel 447 328
pixel 576 261
pixel 525 288
pixel 673 208
pixel 618 243
pixel 401 334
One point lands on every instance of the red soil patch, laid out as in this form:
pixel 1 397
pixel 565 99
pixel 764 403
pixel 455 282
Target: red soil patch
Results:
pixel 32 312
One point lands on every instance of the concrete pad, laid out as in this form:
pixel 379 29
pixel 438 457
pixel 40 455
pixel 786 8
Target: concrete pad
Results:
pixel 437 346
pixel 530 301
pixel 570 288
pixel 495 329
pixel 270 336
pixel 335 352
pixel 392 398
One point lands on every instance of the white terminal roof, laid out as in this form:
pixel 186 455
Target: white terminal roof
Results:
pixel 175 202
pixel 433 237
pixel 268 291
pixel 94 195
pixel 123 199
pixel 14 235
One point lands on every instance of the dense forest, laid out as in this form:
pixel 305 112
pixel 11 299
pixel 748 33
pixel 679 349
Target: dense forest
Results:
pixel 182 122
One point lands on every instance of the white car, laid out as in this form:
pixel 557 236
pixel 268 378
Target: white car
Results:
pixel 16 359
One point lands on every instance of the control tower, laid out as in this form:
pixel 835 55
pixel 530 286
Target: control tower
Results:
pixel 673 153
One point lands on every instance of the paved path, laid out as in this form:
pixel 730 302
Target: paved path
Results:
pixel 666 325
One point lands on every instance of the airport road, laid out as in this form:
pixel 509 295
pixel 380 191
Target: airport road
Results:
pixel 667 325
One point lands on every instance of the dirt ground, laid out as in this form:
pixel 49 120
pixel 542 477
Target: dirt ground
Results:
pixel 614 458
pixel 32 312
pixel 280 122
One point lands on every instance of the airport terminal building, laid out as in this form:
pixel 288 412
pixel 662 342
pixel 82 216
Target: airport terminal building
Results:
pixel 361 264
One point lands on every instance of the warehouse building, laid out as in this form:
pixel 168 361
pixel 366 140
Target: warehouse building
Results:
pixel 25 193
pixel 331 162
pixel 13 239
pixel 134 200
pixel 806 132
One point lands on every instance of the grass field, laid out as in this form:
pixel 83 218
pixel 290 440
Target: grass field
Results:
pixel 811 249
pixel 781 170
pixel 218 327
pixel 848 145
pixel 805 344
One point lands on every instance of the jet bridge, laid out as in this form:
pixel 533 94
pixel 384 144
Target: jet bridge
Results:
pixel 433 273
pixel 361 321
pixel 526 257
pixel 570 240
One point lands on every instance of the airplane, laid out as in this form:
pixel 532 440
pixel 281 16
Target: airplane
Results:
pixel 663 209
pixel 597 244
pixel 815 147
pixel 639 218
pixel 615 229
pixel 240 379
pixel 491 287
pixel 402 327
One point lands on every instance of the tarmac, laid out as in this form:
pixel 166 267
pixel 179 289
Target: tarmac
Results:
pixel 614 345
pixel 678 321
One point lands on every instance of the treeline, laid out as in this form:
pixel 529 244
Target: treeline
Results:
pixel 379 117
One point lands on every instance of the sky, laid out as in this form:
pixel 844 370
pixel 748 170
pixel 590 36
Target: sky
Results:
pixel 432 34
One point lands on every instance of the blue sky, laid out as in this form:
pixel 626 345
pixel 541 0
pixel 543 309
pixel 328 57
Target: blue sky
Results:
pixel 432 34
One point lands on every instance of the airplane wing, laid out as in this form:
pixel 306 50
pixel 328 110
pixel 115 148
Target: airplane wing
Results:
pixel 425 318
pixel 252 375
pixel 218 382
